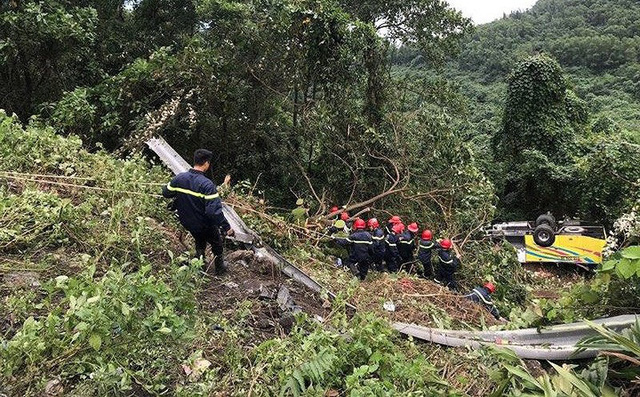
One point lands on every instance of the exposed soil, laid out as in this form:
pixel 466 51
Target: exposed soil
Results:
pixel 257 282
pixel 411 298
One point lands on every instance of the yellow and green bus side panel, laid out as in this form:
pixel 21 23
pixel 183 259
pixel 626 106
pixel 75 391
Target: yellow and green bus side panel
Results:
pixel 566 248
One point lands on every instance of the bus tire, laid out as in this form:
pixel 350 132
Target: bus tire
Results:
pixel 544 235
pixel 547 219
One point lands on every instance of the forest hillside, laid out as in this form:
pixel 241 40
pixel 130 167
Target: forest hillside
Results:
pixel 313 110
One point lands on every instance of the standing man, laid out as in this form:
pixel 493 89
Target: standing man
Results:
pixel 424 253
pixel 379 245
pixel 300 213
pixel 391 255
pixel 200 208
pixel 407 245
pixel 448 264
pixel 360 246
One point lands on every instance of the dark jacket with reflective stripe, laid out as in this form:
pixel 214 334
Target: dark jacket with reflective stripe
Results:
pixel 360 245
pixel 197 201
pixel 481 295
pixel 391 254
pixel 448 261
pixel 424 250
pixel 406 246
pixel 379 245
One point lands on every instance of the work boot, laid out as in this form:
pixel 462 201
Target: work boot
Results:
pixel 220 267
pixel 354 269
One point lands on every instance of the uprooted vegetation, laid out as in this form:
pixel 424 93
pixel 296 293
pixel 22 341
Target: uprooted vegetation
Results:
pixel 98 299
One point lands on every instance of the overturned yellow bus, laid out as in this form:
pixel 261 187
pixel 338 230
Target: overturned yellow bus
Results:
pixel 546 240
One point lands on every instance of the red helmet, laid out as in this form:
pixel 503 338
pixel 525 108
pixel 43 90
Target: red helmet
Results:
pixel 373 223
pixel 344 216
pixel 359 224
pixel 398 228
pixel 446 244
pixel 490 287
pixel 413 227
pixel 395 219
pixel 427 235
pixel 333 209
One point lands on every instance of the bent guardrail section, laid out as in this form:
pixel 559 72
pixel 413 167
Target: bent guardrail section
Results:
pixel 243 234
pixel 552 343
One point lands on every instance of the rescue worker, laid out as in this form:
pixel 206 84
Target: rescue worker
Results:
pixel 392 221
pixel 407 245
pixel 391 255
pixel 333 210
pixel 379 245
pixel 345 217
pixel 338 232
pixel 200 208
pixel 360 245
pixel 300 213
pixel 448 263
pixel 483 295
pixel 425 249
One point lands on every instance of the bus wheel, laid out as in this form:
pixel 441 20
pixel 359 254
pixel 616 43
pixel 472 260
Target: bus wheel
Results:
pixel 544 235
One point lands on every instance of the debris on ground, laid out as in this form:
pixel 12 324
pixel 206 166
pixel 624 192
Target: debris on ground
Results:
pixel 271 297
pixel 420 302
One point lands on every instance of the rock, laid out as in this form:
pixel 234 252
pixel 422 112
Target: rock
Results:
pixel 54 388
pixel 22 279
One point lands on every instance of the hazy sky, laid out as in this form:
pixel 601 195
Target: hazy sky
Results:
pixel 483 11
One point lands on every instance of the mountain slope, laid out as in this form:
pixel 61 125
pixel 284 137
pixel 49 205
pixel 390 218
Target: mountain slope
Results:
pixel 596 41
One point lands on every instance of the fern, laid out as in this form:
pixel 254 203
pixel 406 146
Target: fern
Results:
pixel 311 372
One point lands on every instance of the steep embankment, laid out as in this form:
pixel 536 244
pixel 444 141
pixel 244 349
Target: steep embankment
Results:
pixel 96 299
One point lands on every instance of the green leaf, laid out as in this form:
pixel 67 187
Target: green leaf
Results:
pixel 95 341
pixel 165 330
pixel 608 265
pixel 522 374
pixel 625 268
pixel 125 309
pixel 574 380
pixel 631 252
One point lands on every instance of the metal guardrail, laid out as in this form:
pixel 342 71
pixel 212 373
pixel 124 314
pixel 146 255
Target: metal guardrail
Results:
pixel 552 343
pixel 243 234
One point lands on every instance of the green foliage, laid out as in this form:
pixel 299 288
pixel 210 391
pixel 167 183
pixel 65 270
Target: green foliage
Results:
pixel 44 48
pixel 542 120
pixel 625 264
pixel 99 331
pixel 608 177
pixel 364 360
pixel 565 381
pixel 599 378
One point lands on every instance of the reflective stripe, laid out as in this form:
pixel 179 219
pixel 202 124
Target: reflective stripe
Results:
pixel 406 242
pixel 447 262
pixel 390 245
pixel 359 242
pixel 192 193
pixel 378 238
pixel 426 247
pixel 482 298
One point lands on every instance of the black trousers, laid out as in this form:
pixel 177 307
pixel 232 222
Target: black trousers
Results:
pixel 427 268
pixel 212 237
pixel 359 268
pixel 447 278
